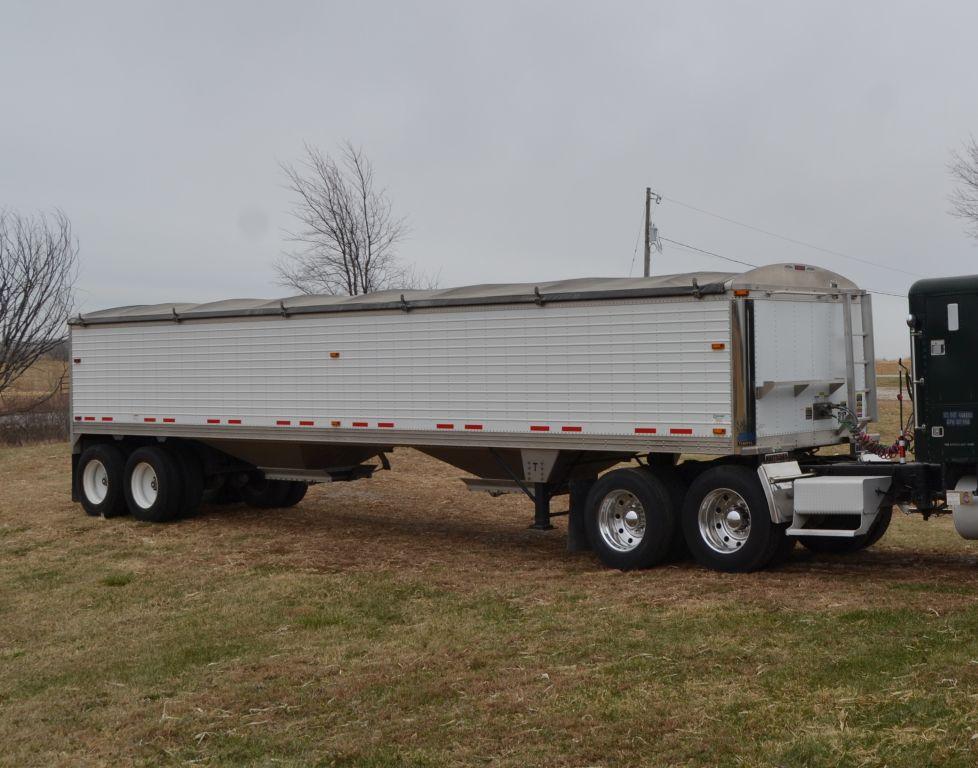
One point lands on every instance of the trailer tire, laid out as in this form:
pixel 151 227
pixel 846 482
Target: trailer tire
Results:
pixel 727 523
pixel 100 477
pixel 192 474
pixel 295 494
pixel 153 485
pixel 831 545
pixel 262 493
pixel 219 491
pixel 677 488
pixel 630 519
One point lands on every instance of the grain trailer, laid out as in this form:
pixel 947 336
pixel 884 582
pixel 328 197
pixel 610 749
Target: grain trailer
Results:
pixel 719 388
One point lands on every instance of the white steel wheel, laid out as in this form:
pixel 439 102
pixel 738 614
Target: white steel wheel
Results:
pixel 144 485
pixel 154 484
pixel 95 481
pixel 621 520
pixel 99 480
pixel 724 520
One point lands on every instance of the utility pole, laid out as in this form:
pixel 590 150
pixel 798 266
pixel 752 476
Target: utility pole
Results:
pixel 650 197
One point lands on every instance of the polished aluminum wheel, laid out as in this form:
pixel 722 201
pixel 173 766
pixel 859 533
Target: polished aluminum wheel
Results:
pixel 724 520
pixel 95 481
pixel 144 485
pixel 621 520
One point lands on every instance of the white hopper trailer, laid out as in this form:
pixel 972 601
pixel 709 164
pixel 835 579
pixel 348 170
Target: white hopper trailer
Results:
pixel 717 386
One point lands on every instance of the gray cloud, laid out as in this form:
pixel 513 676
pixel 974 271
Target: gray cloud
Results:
pixel 517 137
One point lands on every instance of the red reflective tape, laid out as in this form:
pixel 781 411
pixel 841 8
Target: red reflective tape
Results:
pixel 644 430
pixel 106 418
pixel 680 431
pixel 539 428
pixel 168 421
pixel 385 424
pixel 77 418
pixel 473 426
pixel 234 421
pixel 89 418
pixel 359 423
pixel 283 423
pixel 445 426
pixel 149 419
pixel 213 421
pixel 570 429
pixel 307 423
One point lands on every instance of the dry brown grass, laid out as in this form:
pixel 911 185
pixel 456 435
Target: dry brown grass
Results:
pixel 39 380
pixel 404 621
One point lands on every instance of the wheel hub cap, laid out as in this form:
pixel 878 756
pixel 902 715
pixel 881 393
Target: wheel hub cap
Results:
pixel 621 520
pixel 95 481
pixel 724 520
pixel 144 485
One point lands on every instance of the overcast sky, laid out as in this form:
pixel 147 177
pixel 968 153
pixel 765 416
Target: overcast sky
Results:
pixel 516 137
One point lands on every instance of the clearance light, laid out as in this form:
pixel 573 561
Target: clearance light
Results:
pixel 718 346
pixel 741 292
pixel 720 431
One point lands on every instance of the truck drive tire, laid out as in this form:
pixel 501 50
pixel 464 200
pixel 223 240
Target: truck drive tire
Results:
pixel 153 485
pixel 100 476
pixel 262 493
pixel 192 474
pixel 727 523
pixel 832 545
pixel 295 494
pixel 677 488
pixel 630 519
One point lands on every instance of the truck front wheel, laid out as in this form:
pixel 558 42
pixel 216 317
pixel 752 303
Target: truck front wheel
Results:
pixel 727 523
pixel 630 519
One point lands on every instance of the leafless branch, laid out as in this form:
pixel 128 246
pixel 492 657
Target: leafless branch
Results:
pixel 38 267
pixel 347 236
pixel 964 199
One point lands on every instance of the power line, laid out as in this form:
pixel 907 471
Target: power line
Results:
pixel 790 239
pixel 708 253
pixel 637 238
pixel 749 264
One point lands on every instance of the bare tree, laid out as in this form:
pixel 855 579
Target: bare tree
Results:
pixel 348 236
pixel 964 200
pixel 38 267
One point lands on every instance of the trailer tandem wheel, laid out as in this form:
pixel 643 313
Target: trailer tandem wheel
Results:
pixel 630 519
pixel 101 473
pixel 192 474
pixel 262 493
pixel 153 484
pixel 727 523
pixel 295 494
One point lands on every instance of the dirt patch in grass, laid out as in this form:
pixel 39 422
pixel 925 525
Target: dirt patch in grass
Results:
pixel 403 621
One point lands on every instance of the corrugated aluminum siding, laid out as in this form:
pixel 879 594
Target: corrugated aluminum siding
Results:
pixel 608 367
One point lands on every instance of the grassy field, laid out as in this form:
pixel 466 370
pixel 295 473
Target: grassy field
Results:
pixel 403 621
pixel 39 379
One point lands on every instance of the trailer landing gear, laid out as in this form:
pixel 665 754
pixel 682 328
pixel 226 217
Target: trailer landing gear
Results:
pixel 541 508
